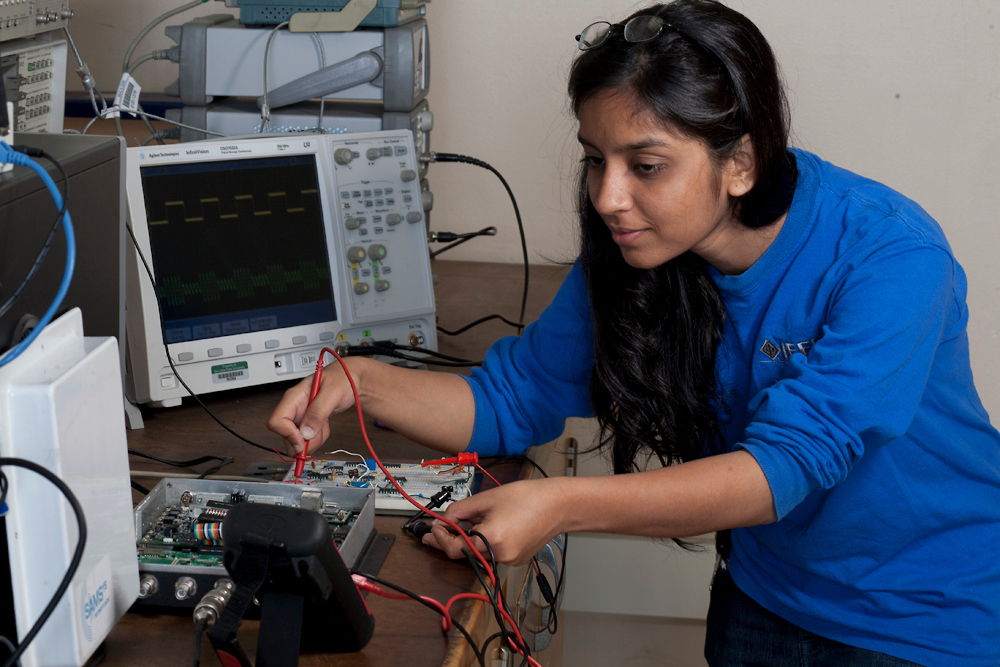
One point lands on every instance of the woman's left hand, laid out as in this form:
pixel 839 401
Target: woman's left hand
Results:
pixel 518 519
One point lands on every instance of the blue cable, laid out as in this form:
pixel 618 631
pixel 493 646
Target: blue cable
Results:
pixel 9 155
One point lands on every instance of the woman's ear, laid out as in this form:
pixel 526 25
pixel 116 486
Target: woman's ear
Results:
pixel 742 168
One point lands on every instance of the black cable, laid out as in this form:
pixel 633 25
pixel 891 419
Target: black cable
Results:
pixel 178 464
pixel 452 157
pixel 389 345
pixel 9 646
pixel 369 351
pixel 503 319
pixel 170 361
pixel 459 239
pixel 216 468
pixel 37 152
pixel 199 630
pixel 74 563
pixel 139 487
pixel 523 459
pixel 400 589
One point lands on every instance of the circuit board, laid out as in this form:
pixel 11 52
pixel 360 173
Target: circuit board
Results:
pixel 179 531
pixel 189 533
pixel 421 483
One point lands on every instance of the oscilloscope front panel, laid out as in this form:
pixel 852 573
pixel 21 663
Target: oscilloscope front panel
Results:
pixel 263 255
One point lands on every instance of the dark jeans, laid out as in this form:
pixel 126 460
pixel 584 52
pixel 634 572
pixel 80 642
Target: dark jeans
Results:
pixel 741 633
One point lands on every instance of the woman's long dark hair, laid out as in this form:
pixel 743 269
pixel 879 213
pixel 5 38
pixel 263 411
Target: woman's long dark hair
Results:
pixel 709 75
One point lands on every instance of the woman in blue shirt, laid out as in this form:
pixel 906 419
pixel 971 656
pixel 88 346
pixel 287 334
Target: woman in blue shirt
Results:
pixel 788 340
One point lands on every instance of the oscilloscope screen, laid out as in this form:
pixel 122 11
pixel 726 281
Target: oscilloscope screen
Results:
pixel 238 246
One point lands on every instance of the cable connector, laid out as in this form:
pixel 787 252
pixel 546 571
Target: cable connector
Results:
pixel 463 459
pixel 89 83
pixel 427 158
pixel 545 588
pixel 363 584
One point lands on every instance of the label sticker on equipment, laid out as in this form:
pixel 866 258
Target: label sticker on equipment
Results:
pixel 127 96
pixel 222 373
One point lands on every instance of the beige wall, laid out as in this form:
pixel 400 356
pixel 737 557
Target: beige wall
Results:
pixel 904 92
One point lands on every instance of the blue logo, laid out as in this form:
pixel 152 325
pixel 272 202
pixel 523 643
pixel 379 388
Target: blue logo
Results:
pixel 142 156
pixel 93 605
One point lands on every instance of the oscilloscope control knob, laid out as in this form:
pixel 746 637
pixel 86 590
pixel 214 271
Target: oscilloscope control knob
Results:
pixel 352 223
pixel 408 175
pixel 381 285
pixel 360 288
pixel 425 121
pixel 373 154
pixel 356 254
pixel 414 216
pixel 343 155
pixel 393 219
pixel 377 251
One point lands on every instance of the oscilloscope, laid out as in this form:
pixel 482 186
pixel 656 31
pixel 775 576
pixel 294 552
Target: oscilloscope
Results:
pixel 266 250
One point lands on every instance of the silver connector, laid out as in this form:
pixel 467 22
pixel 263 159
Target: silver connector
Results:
pixel 427 158
pixel 211 605
pixel 148 585
pixel 185 587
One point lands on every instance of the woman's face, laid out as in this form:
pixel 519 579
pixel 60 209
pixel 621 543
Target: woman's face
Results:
pixel 658 192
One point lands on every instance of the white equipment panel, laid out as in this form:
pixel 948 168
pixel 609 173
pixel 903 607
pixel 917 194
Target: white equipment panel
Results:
pixel 60 408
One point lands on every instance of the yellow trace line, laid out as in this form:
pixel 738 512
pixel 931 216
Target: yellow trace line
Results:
pixel 276 194
pixel 173 203
pixel 158 222
pixel 194 219
pixel 262 213
pixel 295 210
pixel 238 197
pixel 228 216
pixel 310 192
pixel 208 200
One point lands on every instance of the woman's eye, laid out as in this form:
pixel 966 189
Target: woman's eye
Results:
pixel 648 168
pixel 593 161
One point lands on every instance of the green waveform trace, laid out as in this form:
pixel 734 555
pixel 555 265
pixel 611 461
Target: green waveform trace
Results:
pixel 212 289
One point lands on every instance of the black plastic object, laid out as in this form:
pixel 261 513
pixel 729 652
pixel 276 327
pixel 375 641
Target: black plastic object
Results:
pixel 286 558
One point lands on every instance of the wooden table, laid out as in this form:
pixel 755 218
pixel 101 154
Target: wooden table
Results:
pixel 405 632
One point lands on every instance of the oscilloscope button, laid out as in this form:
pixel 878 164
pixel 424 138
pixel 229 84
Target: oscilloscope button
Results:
pixel 243 348
pixel 352 223
pixel 373 153
pixel 377 251
pixel 355 254
pixel 185 356
pixel 381 285
pixel 388 191
pixel 271 344
pixel 299 340
pixel 394 218
pixel 414 216
pixel 360 288
pixel 367 193
pixel 345 194
pixel 378 192
pixel 215 352
pixel 326 335
pixel 408 175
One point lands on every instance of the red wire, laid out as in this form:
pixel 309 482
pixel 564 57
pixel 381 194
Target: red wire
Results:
pixel 486 472
pixel 461 533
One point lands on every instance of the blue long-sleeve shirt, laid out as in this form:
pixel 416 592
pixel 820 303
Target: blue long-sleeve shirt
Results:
pixel 845 370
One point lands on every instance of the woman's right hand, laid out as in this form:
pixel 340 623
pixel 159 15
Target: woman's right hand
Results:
pixel 297 421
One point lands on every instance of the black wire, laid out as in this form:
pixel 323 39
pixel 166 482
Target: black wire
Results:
pixel 382 345
pixel 139 487
pixel 9 646
pixel 214 469
pixel 81 542
pixel 178 464
pixel 493 564
pixel 400 589
pixel 480 321
pixel 369 351
pixel 452 157
pixel 462 238
pixel 37 152
pixel 170 361
pixel 199 630
pixel 523 459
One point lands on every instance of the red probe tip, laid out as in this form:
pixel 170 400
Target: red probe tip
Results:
pixel 463 459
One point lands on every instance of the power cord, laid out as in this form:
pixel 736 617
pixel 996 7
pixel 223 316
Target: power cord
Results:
pixel 388 348
pixel 223 462
pixel 81 542
pixel 37 152
pixel 481 320
pixel 454 157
